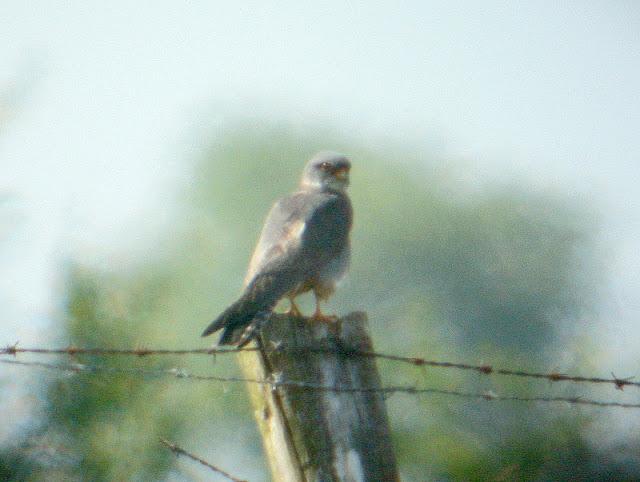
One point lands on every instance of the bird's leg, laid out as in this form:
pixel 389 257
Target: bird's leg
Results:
pixel 293 308
pixel 318 315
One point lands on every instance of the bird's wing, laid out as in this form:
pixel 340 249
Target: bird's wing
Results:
pixel 302 233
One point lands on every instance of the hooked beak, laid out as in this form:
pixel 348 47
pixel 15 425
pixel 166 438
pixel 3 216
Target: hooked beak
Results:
pixel 341 173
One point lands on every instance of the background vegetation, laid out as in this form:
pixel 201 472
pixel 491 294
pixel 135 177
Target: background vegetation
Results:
pixel 497 274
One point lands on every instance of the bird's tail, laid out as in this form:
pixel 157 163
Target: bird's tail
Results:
pixel 242 319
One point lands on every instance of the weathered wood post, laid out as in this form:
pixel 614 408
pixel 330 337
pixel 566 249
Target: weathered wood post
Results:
pixel 316 434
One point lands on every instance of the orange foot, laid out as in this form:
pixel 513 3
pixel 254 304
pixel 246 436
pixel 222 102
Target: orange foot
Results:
pixel 322 318
pixel 333 323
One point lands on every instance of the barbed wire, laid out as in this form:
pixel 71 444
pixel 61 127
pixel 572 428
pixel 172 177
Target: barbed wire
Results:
pixel 140 352
pixel 485 369
pixel 180 451
pixel 277 381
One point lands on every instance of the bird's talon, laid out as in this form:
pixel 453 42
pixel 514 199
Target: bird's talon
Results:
pixel 322 318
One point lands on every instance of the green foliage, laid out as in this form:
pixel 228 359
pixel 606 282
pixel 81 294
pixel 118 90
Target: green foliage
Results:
pixel 441 272
pixel 15 464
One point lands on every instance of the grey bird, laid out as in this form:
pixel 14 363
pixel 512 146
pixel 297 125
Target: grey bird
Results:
pixel 304 246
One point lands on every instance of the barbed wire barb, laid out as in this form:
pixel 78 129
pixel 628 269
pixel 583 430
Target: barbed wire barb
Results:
pixel 180 451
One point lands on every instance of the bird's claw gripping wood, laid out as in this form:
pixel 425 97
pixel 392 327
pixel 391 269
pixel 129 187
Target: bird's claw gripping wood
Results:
pixel 333 323
pixel 319 316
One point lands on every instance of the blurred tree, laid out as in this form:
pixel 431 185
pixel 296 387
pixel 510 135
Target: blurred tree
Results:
pixel 489 274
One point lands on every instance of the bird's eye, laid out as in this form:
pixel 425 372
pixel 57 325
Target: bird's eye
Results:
pixel 325 166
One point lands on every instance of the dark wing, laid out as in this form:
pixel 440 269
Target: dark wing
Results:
pixel 302 231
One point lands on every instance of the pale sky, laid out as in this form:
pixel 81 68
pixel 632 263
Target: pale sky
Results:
pixel 546 92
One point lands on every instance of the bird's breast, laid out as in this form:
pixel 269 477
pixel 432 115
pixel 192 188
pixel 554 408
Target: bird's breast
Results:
pixel 336 269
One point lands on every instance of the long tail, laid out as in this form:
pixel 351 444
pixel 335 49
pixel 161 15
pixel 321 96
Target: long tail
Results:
pixel 242 319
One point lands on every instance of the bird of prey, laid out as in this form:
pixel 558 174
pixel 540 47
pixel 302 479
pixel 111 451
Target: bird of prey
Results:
pixel 304 246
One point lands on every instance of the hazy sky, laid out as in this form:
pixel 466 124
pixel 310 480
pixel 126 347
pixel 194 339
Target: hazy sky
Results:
pixel 102 103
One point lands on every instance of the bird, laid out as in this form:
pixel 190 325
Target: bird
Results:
pixel 304 246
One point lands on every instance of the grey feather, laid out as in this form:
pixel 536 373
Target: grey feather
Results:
pixel 304 243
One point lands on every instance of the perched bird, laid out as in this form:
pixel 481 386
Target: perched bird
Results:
pixel 304 246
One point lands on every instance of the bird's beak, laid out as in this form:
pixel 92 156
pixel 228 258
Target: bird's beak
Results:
pixel 341 174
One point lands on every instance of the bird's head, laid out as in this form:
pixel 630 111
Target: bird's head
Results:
pixel 327 171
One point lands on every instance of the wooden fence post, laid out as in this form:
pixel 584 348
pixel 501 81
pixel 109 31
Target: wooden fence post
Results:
pixel 320 435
